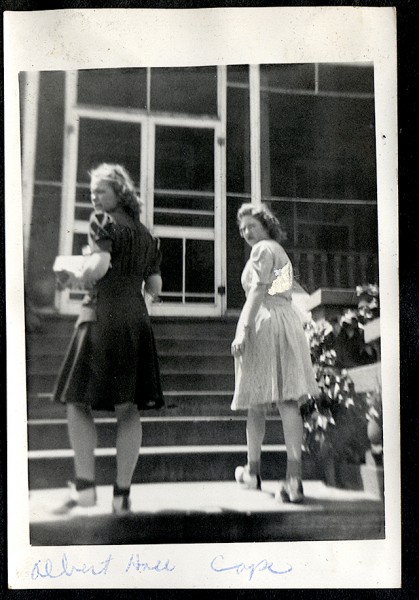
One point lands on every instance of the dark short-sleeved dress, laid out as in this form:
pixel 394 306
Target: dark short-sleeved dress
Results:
pixel 112 357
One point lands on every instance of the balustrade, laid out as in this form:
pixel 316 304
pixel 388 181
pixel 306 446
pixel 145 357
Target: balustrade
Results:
pixel 315 269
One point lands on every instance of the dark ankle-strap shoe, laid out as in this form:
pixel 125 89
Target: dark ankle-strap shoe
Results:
pixel 121 502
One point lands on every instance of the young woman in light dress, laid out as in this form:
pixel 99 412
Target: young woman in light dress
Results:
pixel 272 357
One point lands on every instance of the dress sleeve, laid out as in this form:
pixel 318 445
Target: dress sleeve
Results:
pixel 154 260
pixel 101 231
pixel 262 261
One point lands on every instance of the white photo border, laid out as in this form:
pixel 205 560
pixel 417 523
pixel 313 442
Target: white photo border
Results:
pixel 114 38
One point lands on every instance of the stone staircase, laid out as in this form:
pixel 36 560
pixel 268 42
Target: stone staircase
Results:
pixel 194 439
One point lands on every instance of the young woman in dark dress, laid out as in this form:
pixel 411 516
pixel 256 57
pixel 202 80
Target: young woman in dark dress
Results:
pixel 111 363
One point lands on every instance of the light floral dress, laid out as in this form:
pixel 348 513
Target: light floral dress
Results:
pixel 276 364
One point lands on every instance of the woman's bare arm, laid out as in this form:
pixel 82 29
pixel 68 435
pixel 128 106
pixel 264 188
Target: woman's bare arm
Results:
pixel 95 267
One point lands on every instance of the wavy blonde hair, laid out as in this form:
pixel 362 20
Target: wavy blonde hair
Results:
pixel 122 184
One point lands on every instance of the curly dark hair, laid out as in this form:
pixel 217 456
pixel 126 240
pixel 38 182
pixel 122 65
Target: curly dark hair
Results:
pixel 265 217
pixel 123 186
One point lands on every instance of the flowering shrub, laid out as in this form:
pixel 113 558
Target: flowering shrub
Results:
pixel 335 422
pixel 374 406
pixel 368 303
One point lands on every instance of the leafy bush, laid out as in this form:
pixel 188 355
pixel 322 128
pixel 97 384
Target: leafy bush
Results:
pixel 335 422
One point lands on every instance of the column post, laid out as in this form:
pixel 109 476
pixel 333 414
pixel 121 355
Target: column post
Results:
pixel 30 92
pixel 254 84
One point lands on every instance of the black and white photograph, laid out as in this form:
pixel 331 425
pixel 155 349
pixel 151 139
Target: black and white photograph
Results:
pixel 201 311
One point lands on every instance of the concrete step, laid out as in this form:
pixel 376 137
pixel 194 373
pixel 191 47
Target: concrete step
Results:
pixel 366 378
pixel 47 345
pixel 207 512
pixel 50 434
pixel 51 363
pixel 53 468
pixel 177 403
pixel 54 324
pixel 171 380
pixel 202 346
pixel 218 329
pixel 60 325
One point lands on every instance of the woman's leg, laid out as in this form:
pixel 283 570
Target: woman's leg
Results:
pixel 83 439
pixel 249 475
pixel 292 423
pixel 128 442
pixel 255 433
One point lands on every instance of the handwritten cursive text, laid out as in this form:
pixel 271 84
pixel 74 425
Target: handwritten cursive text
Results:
pixel 47 569
pixel 135 564
pixel 218 564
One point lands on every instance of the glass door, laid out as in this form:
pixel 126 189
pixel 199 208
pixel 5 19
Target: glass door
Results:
pixel 185 213
pixel 173 164
pixel 177 163
pixel 90 140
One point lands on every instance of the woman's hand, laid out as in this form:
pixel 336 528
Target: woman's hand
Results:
pixel 153 287
pixel 247 319
pixel 239 342
pixel 88 280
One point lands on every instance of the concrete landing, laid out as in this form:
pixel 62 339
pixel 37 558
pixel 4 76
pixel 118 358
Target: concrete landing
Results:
pixel 208 512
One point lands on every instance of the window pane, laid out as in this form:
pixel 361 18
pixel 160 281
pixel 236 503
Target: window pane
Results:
pixel 79 240
pixel 324 213
pixel 171 266
pixel 184 159
pixel 284 211
pixel 83 194
pixel 172 297
pixel 318 147
pixel 238 141
pixel 344 78
pixel 200 266
pixel 183 211
pixel 292 76
pixel 237 254
pixel 323 237
pixel 238 74
pixel 182 220
pixel 78 296
pixel 113 87
pixel 207 299
pixel 189 202
pixel 366 228
pixel 184 90
pixel 50 132
pixel 82 213
pixel 109 141
pixel 44 240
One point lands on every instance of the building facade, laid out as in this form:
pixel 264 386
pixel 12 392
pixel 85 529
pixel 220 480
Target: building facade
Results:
pixel 198 143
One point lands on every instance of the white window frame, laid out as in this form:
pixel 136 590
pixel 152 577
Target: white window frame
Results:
pixel 68 225
pixel 215 308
